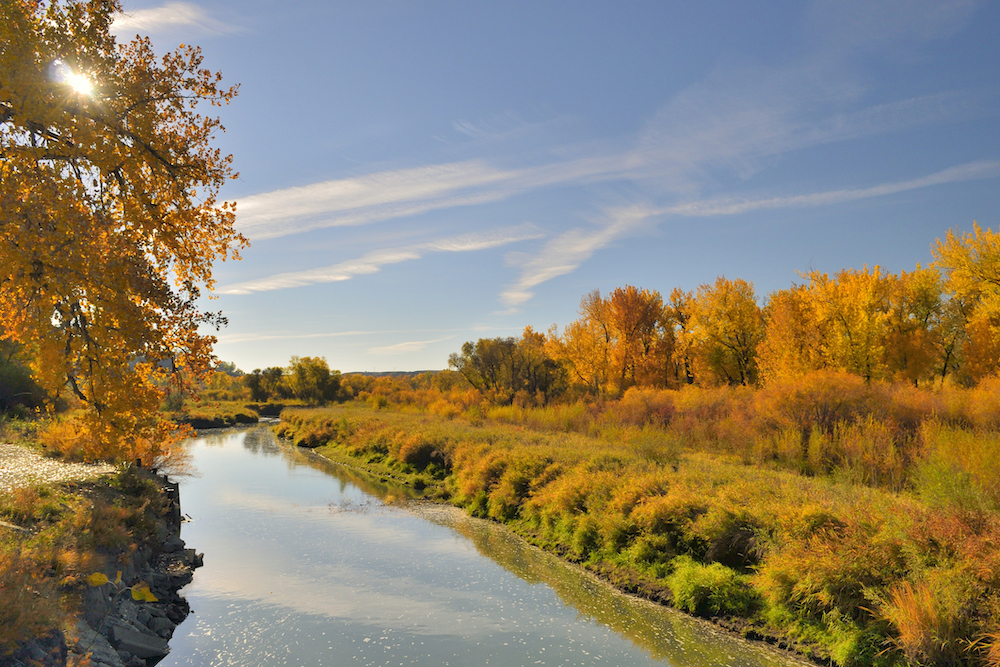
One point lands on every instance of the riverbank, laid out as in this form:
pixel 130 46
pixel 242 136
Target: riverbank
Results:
pixel 91 569
pixel 838 571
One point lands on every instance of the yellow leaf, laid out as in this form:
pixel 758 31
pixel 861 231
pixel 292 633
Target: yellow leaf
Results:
pixel 141 592
pixel 97 579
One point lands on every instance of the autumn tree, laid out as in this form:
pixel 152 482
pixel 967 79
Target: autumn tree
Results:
pixel 585 347
pixel 971 264
pixel 915 313
pixel 490 365
pixel 110 221
pixel 642 343
pixel 854 309
pixel 264 384
pixel 505 368
pixel 542 376
pixel 310 379
pixel 793 336
pixel 728 325
pixel 680 319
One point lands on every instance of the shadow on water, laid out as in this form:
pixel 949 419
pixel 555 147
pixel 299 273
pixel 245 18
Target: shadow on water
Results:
pixel 664 633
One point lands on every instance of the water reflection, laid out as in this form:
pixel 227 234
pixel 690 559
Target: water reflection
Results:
pixel 306 565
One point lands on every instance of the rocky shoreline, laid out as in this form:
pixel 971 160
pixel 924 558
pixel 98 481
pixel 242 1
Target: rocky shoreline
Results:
pixel 114 629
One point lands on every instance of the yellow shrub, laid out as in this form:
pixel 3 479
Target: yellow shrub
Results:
pixel 928 623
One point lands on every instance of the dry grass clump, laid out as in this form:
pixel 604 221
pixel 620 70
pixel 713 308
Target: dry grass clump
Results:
pixel 28 604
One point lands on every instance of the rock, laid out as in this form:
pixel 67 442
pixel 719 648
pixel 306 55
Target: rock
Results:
pixel 140 644
pixel 97 646
pixel 130 660
pixel 160 623
pixel 173 544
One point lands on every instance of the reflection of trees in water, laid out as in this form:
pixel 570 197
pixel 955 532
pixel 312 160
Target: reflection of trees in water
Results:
pixel 665 633
pixel 261 440
pixel 385 491
pixel 216 437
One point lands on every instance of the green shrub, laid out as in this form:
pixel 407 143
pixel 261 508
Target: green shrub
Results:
pixel 586 538
pixel 711 590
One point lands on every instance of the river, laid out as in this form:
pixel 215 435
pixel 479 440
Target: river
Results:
pixel 310 563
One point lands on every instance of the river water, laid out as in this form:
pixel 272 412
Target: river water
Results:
pixel 310 563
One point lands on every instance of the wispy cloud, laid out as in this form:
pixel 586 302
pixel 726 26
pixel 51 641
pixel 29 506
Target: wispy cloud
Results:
pixel 372 262
pixel 288 335
pixel 404 192
pixel 408 346
pixel 565 253
pixel 733 206
pixel 170 15
pixel 726 122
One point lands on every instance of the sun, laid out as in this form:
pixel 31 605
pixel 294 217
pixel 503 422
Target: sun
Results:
pixel 80 83
pixel 61 72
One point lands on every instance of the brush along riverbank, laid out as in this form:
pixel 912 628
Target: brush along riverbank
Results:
pixel 90 570
pixel 838 571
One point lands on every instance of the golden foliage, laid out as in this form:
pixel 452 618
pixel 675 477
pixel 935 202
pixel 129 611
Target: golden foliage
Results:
pixel 927 623
pixel 112 221
pixel 728 325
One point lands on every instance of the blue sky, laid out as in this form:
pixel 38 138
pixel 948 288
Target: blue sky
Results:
pixel 417 174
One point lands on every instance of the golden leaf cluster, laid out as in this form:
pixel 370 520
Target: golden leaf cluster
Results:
pixel 110 220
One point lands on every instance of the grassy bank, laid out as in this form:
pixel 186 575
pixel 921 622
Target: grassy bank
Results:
pixel 800 541
pixel 215 414
pixel 53 537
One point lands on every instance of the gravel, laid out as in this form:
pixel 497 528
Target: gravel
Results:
pixel 20 466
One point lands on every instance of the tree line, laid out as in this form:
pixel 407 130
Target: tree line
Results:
pixel 928 326
pixel 305 378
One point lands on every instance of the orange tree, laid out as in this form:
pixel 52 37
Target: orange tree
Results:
pixel 109 218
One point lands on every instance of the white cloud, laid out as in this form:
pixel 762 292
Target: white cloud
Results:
pixel 731 121
pixel 734 206
pixel 565 253
pixel 409 346
pixel 251 337
pixel 170 15
pixel 373 262
pixel 395 194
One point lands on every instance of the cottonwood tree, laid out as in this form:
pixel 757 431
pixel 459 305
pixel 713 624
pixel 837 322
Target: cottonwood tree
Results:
pixel 643 342
pixel 971 264
pixel 310 379
pixel 109 218
pixel 586 345
pixel 728 325
pixel 503 369
pixel 793 336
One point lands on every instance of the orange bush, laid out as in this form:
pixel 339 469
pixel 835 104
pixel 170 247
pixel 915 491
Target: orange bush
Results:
pixel 928 624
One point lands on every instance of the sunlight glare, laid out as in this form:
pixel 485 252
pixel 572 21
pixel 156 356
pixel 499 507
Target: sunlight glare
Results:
pixel 78 82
